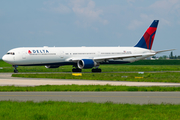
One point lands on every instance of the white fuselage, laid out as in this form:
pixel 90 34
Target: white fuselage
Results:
pixel 66 55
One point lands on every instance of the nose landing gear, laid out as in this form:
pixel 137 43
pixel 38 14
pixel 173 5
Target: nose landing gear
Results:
pixel 15 68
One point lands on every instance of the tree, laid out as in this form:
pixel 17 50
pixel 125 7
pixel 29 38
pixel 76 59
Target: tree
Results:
pixel 171 55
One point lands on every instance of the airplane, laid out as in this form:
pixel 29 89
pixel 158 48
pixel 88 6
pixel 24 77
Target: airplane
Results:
pixel 83 57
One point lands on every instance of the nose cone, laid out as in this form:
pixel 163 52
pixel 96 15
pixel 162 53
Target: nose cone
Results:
pixel 4 58
pixel 8 59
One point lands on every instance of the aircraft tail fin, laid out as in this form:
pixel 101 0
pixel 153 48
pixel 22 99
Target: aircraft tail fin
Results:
pixel 147 39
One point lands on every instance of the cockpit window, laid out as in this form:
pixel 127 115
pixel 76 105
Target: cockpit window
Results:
pixel 10 53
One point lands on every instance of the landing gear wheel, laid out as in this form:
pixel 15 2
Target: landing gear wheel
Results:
pixel 15 68
pixel 96 70
pixel 15 71
pixel 76 70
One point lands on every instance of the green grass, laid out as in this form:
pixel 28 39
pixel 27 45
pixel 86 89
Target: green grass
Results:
pixel 156 62
pixel 105 68
pixel 173 77
pixel 86 111
pixel 4 64
pixel 85 88
pixel 143 65
pixel 51 110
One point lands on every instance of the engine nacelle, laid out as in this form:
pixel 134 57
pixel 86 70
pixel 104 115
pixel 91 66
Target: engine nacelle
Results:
pixel 86 63
pixel 52 66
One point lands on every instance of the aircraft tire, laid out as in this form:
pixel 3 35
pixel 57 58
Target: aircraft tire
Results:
pixel 15 71
pixel 76 70
pixel 96 70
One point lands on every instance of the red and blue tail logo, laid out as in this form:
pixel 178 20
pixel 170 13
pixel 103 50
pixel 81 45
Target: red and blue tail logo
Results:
pixel 147 39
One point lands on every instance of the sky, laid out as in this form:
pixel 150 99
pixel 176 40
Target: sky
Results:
pixel 75 23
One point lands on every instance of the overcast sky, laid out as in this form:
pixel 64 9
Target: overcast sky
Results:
pixel 67 23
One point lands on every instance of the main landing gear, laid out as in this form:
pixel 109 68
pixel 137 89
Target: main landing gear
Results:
pixel 80 70
pixel 76 70
pixel 96 70
pixel 15 68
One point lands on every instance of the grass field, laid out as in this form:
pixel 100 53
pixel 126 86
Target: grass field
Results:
pixel 173 77
pixel 4 64
pixel 52 110
pixel 144 65
pixel 105 68
pixel 86 111
pixel 86 88
pixel 155 62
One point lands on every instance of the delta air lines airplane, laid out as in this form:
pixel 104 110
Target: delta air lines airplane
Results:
pixel 83 57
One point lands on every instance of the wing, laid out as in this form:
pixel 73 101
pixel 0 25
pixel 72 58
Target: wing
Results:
pixel 102 58
pixel 123 56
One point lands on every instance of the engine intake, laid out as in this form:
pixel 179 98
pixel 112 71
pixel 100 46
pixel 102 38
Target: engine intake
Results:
pixel 86 63
pixel 52 66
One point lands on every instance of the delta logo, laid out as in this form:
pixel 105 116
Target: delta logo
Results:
pixel 37 51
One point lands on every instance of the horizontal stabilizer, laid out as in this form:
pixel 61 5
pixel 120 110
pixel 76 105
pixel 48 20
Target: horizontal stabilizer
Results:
pixel 164 50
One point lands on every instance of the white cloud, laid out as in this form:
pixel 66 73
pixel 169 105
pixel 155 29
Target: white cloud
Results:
pixel 87 12
pixel 54 6
pixel 164 21
pixel 134 24
pixel 166 6
pixel 167 11
pixel 141 20
pixel 62 9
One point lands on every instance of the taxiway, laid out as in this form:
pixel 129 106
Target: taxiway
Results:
pixel 98 97
pixel 115 97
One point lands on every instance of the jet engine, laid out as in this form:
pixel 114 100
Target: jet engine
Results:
pixel 52 66
pixel 86 63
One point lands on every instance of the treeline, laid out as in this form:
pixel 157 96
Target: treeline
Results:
pixel 171 56
pixel 166 57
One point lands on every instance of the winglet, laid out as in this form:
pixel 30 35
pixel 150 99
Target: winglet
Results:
pixel 147 39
